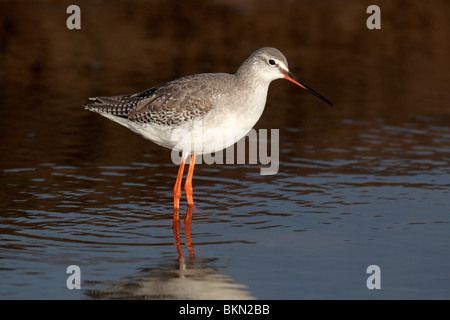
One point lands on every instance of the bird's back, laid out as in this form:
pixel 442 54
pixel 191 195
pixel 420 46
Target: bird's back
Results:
pixel 170 104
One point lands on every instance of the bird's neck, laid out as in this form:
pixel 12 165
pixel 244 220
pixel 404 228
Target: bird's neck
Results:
pixel 249 81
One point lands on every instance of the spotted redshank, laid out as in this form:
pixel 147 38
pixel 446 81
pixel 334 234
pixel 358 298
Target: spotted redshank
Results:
pixel 221 103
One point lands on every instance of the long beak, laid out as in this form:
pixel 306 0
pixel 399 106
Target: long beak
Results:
pixel 289 76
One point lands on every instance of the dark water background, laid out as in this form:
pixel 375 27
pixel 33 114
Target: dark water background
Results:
pixel 364 183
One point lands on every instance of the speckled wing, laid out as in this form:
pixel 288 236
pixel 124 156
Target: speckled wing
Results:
pixel 172 103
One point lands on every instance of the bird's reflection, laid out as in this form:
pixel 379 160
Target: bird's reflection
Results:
pixel 188 278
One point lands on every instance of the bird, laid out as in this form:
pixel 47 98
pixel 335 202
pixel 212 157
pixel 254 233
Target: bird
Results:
pixel 220 103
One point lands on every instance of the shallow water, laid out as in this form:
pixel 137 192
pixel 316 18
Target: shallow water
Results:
pixel 364 183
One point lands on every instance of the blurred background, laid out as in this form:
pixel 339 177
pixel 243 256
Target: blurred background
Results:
pixel 365 182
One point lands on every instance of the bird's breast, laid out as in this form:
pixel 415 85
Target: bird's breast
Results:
pixel 247 106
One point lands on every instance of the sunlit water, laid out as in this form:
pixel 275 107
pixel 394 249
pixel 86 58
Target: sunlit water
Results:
pixel 364 183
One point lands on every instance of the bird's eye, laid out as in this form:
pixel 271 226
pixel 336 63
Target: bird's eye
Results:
pixel 272 62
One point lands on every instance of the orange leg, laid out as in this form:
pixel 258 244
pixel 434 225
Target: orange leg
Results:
pixel 177 187
pixel 188 183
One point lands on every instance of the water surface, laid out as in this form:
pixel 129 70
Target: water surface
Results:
pixel 364 183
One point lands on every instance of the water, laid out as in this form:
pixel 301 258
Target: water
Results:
pixel 364 183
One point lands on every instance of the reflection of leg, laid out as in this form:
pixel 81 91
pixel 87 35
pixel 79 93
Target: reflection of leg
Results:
pixel 177 187
pixel 188 183
pixel 176 232
pixel 187 230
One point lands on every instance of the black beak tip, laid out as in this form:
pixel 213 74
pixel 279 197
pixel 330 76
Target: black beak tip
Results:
pixel 289 76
